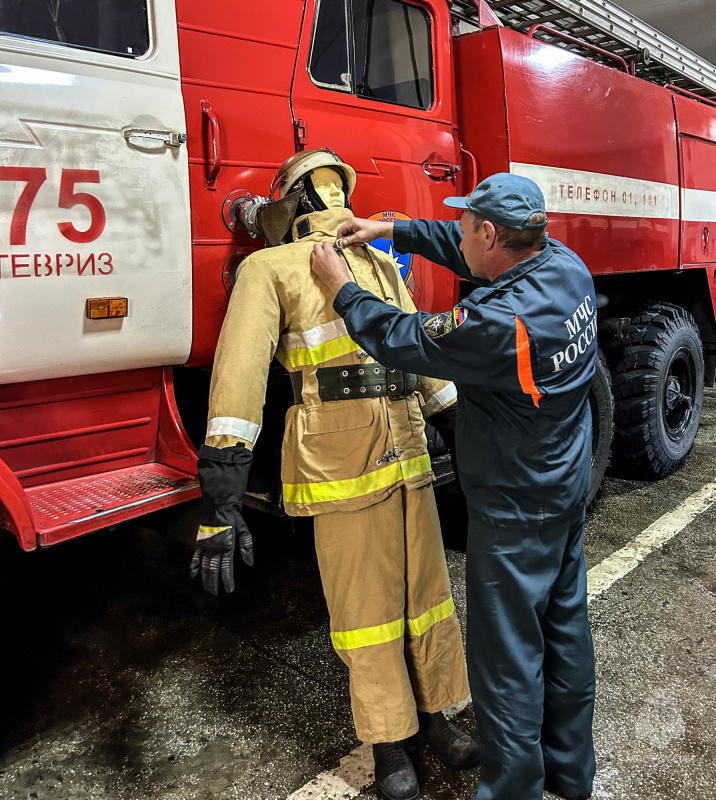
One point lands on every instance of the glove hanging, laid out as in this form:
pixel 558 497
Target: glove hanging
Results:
pixel 223 476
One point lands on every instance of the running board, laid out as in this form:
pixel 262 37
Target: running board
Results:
pixel 66 509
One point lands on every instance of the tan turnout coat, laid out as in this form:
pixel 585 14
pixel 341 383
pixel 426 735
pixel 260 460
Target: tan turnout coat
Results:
pixel 336 455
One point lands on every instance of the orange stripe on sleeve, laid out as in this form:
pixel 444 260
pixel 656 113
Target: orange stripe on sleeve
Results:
pixel 524 363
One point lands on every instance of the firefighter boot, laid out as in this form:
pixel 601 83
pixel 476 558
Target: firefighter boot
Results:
pixel 394 772
pixel 452 746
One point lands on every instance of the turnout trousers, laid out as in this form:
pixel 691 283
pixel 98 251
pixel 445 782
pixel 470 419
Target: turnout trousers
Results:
pixel 392 614
pixel 530 659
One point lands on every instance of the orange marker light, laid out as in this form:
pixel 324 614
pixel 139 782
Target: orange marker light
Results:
pixel 106 307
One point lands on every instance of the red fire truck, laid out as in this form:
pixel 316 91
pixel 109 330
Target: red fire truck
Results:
pixel 129 127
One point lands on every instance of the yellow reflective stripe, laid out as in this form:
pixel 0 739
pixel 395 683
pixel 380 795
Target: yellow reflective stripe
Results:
pixel 356 487
pixel 415 466
pixel 335 348
pixel 206 531
pixel 418 626
pixel 378 634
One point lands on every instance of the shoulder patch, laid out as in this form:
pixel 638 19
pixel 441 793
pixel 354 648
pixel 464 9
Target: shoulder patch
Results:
pixel 441 324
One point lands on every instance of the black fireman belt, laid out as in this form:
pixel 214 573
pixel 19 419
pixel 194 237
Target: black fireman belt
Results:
pixel 358 380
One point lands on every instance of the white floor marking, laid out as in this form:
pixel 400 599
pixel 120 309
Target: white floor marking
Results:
pixel 619 564
pixel 355 770
pixel 353 774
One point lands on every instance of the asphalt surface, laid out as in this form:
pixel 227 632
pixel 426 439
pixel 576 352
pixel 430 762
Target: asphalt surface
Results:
pixel 123 681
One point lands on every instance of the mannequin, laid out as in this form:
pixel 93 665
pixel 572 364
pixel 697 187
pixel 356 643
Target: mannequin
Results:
pixel 355 457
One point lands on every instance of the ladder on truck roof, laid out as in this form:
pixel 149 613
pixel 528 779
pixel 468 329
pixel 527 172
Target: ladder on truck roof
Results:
pixel 649 53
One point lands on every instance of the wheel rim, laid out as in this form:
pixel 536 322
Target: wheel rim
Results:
pixel 679 391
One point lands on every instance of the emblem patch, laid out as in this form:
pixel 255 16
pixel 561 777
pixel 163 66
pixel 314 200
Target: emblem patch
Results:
pixel 441 324
pixel 402 260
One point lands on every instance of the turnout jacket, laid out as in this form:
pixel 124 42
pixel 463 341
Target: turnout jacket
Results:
pixel 521 351
pixel 337 455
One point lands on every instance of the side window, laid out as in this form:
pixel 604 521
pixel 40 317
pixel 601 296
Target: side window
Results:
pixel 379 49
pixel 110 26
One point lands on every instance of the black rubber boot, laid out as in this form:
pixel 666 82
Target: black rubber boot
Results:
pixel 553 787
pixel 394 772
pixel 451 745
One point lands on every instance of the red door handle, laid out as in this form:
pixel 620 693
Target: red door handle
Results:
pixel 440 171
pixel 209 114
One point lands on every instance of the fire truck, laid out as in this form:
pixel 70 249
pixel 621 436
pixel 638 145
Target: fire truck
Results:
pixel 131 127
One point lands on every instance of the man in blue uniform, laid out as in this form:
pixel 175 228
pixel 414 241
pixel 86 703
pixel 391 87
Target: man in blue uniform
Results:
pixel 521 350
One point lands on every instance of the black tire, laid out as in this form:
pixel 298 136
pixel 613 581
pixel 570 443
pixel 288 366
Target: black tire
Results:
pixel 601 404
pixel 658 384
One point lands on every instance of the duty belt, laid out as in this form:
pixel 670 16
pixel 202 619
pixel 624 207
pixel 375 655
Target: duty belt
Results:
pixel 358 380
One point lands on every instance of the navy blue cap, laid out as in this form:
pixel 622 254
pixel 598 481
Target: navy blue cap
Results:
pixel 504 198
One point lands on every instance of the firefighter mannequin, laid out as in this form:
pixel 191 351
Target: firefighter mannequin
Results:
pixel 355 456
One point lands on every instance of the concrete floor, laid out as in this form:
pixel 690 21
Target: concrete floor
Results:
pixel 123 681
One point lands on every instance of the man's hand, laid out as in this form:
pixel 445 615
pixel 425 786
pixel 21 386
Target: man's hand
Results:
pixel 357 231
pixel 329 266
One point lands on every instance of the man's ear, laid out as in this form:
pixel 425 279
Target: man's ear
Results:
pixel 488 229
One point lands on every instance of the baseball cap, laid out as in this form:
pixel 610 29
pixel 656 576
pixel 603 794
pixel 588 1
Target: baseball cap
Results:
pixel 506 199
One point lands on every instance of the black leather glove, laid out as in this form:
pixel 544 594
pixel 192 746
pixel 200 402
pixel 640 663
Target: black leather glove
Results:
pixel 223 475
pixel 444 423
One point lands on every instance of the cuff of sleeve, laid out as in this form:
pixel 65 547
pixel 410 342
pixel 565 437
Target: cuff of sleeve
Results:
pixel 345 293
pixel 403 235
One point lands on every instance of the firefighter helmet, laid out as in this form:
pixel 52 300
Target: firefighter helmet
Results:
pixel 294 169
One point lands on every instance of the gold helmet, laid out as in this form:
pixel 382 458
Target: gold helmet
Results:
pixel 294 169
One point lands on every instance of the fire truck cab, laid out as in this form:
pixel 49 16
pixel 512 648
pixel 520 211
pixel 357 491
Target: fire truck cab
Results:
pixel 130 127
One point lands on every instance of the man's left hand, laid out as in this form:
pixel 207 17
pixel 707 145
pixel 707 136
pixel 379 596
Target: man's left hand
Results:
pixel 329 266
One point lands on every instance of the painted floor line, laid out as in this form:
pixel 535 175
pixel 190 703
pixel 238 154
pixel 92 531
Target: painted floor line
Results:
pixel 622 562
pixel 355 771
pixel 353 774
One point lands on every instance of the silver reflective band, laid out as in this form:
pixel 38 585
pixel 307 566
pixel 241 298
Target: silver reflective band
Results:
pixel 315 336
pixel 233 426
pixel 446 395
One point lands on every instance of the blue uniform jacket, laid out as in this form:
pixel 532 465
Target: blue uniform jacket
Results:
pixel 521 352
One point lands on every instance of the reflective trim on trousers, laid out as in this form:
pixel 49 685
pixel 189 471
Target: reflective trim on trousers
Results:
pixel 357 487
pixel 379 634
pixel 419 625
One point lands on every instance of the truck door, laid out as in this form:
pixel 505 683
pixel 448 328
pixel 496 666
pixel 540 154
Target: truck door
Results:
pixel 373 82
pixel 93 188
pixel 696 124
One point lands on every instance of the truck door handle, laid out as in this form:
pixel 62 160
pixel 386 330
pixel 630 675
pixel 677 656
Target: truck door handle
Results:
pixel 439 170
pixel 208 112
pixel 169 138
pixel 473 166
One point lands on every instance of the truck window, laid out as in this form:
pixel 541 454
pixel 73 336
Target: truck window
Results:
pixel 110 26
pixel 383 54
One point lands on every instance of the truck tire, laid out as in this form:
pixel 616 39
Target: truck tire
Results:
pixel 658 384
pixel 601 404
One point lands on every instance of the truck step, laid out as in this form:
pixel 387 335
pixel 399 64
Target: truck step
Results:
pixel 70 508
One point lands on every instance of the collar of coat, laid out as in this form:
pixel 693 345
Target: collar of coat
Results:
pixel 320 225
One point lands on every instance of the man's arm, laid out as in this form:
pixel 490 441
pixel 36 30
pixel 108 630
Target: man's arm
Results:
pixel 401 340
pixel 436 240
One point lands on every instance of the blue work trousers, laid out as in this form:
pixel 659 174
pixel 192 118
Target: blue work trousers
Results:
pixel 530 659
